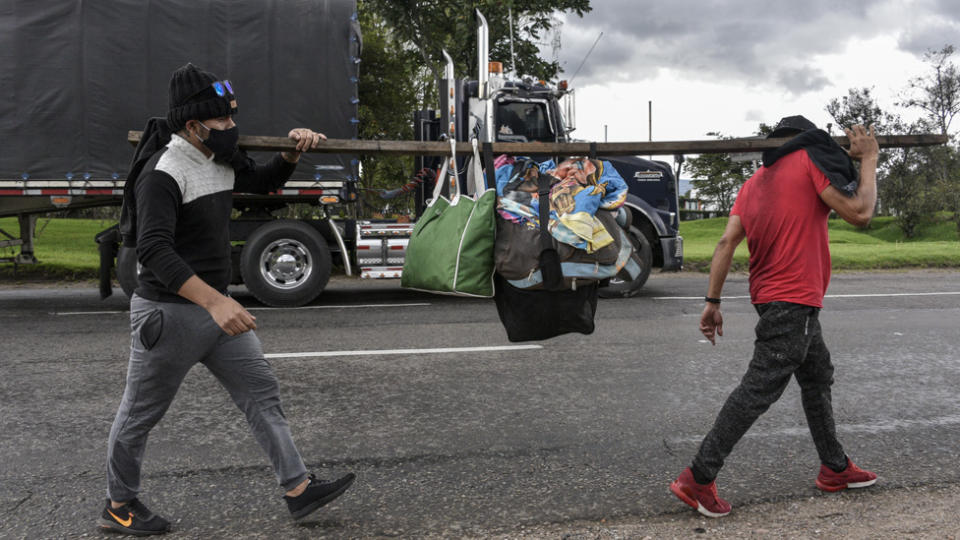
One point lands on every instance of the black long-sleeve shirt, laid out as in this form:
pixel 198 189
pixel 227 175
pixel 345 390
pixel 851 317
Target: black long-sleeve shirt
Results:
pixel 184 200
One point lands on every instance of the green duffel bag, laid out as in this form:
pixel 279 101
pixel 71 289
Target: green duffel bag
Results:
pixel 451 248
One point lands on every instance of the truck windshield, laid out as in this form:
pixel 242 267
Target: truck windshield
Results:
pixel 522 121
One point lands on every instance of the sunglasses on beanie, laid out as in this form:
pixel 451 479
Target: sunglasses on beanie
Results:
pixel 222 89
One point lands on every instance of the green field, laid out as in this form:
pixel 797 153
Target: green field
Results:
pixel 879 247
pixel 67 250
pixel 65 247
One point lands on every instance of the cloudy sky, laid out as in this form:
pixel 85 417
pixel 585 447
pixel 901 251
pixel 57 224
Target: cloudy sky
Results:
pixel 727 65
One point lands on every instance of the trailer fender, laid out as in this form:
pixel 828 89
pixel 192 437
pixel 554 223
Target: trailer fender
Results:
pixel 641 209
pixel 648 220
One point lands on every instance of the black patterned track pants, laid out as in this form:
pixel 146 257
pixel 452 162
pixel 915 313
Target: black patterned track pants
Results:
pixel 789 343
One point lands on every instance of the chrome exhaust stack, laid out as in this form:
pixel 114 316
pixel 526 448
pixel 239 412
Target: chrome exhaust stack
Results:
pixel 483 69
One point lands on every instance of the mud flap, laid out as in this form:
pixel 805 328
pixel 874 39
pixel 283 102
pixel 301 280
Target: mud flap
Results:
pixel 108 244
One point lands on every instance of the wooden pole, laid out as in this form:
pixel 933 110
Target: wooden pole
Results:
pixel 433 148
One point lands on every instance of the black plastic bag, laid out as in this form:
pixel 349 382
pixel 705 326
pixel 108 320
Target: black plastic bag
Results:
pixel 529 315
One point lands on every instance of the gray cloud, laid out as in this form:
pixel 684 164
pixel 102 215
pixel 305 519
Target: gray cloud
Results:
pixel 947 8
pixel 801 80
pixel 932 36
pixel 763 42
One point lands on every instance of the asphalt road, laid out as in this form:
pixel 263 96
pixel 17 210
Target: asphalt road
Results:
pixel 472 442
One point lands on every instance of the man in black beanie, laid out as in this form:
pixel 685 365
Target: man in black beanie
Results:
pixel 181 313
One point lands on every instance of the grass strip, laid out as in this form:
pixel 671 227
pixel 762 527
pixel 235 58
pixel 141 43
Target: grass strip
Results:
pixel 67 250
pixel 881 246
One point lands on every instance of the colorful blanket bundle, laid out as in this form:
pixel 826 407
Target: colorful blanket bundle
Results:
pixel 579 188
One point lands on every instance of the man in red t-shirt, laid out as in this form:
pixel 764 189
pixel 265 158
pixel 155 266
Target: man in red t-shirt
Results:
pixel 782 210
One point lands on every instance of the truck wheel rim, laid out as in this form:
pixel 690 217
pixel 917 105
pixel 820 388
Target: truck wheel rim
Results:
pixel 285 264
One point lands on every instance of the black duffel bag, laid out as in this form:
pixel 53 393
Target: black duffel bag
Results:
pixel 529 314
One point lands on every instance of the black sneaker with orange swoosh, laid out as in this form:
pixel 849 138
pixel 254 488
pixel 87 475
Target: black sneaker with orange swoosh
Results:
pixel 133 518
pixel 318 493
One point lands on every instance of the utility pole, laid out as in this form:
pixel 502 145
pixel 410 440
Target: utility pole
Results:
pixel 650 123
pixel 604 133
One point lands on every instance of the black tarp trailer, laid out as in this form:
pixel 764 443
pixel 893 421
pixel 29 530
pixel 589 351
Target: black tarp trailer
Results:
pixel 76 76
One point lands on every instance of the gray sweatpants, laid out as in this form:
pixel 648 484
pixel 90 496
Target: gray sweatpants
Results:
pixel 789 344
pixel 167 339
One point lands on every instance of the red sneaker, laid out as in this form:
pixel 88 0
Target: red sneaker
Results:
pixel 851 477
pixel 702 497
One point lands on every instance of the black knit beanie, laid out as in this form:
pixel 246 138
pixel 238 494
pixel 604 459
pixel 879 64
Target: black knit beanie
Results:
pixel 192 97
pixel 789 126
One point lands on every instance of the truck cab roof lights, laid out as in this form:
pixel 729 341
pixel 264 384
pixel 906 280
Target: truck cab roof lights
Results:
pixel 495 67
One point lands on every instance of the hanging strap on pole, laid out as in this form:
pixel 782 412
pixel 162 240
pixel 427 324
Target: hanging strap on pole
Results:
pixel 488 165
pixel 549 258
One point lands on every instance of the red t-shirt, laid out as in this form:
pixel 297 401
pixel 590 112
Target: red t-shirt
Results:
pixel 786 225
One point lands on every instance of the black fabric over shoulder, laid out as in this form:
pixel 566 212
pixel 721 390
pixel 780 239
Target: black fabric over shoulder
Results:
pixel 155 137
pixel 832 160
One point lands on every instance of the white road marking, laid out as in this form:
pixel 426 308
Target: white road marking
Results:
pixel 345 306
pixel 356 306
pixel 874 295
pixel 880 295
pixel 694 297
pixel 63 313
pixel 384 352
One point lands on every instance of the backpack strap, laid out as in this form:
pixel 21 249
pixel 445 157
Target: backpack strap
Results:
pixel 549 258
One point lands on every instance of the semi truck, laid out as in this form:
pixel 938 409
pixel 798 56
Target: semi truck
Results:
pixel 71 99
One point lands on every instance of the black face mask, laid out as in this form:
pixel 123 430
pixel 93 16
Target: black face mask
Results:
pixel 222 142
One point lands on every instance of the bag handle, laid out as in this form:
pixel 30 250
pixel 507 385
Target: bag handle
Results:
pixel 442 177
pixel 475 179
pixel 439 180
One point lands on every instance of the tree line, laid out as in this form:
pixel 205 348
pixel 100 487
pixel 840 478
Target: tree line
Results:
pixel 402 64
pixel 915 185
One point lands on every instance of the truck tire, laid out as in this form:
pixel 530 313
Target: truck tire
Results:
pixel 128 270
pixel 285 263
pixel 643 255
